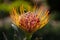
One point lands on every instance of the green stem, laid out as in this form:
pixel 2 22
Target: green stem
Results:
pixel 28 36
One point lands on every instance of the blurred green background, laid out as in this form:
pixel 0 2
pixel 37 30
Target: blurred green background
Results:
pixel 51 31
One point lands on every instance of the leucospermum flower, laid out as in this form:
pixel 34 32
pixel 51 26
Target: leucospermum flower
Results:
pixel 30 21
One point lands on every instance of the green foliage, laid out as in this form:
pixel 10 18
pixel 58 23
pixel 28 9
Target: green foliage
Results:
pixel 9 6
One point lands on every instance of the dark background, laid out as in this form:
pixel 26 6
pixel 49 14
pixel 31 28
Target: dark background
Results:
pixel 49 32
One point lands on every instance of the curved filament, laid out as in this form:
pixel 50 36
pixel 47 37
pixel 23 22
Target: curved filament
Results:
pixel 14 16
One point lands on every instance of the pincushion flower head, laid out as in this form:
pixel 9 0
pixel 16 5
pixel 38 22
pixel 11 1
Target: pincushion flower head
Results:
pixel 30 21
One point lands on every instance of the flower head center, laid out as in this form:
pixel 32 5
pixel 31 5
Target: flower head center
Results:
pixel 29 21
